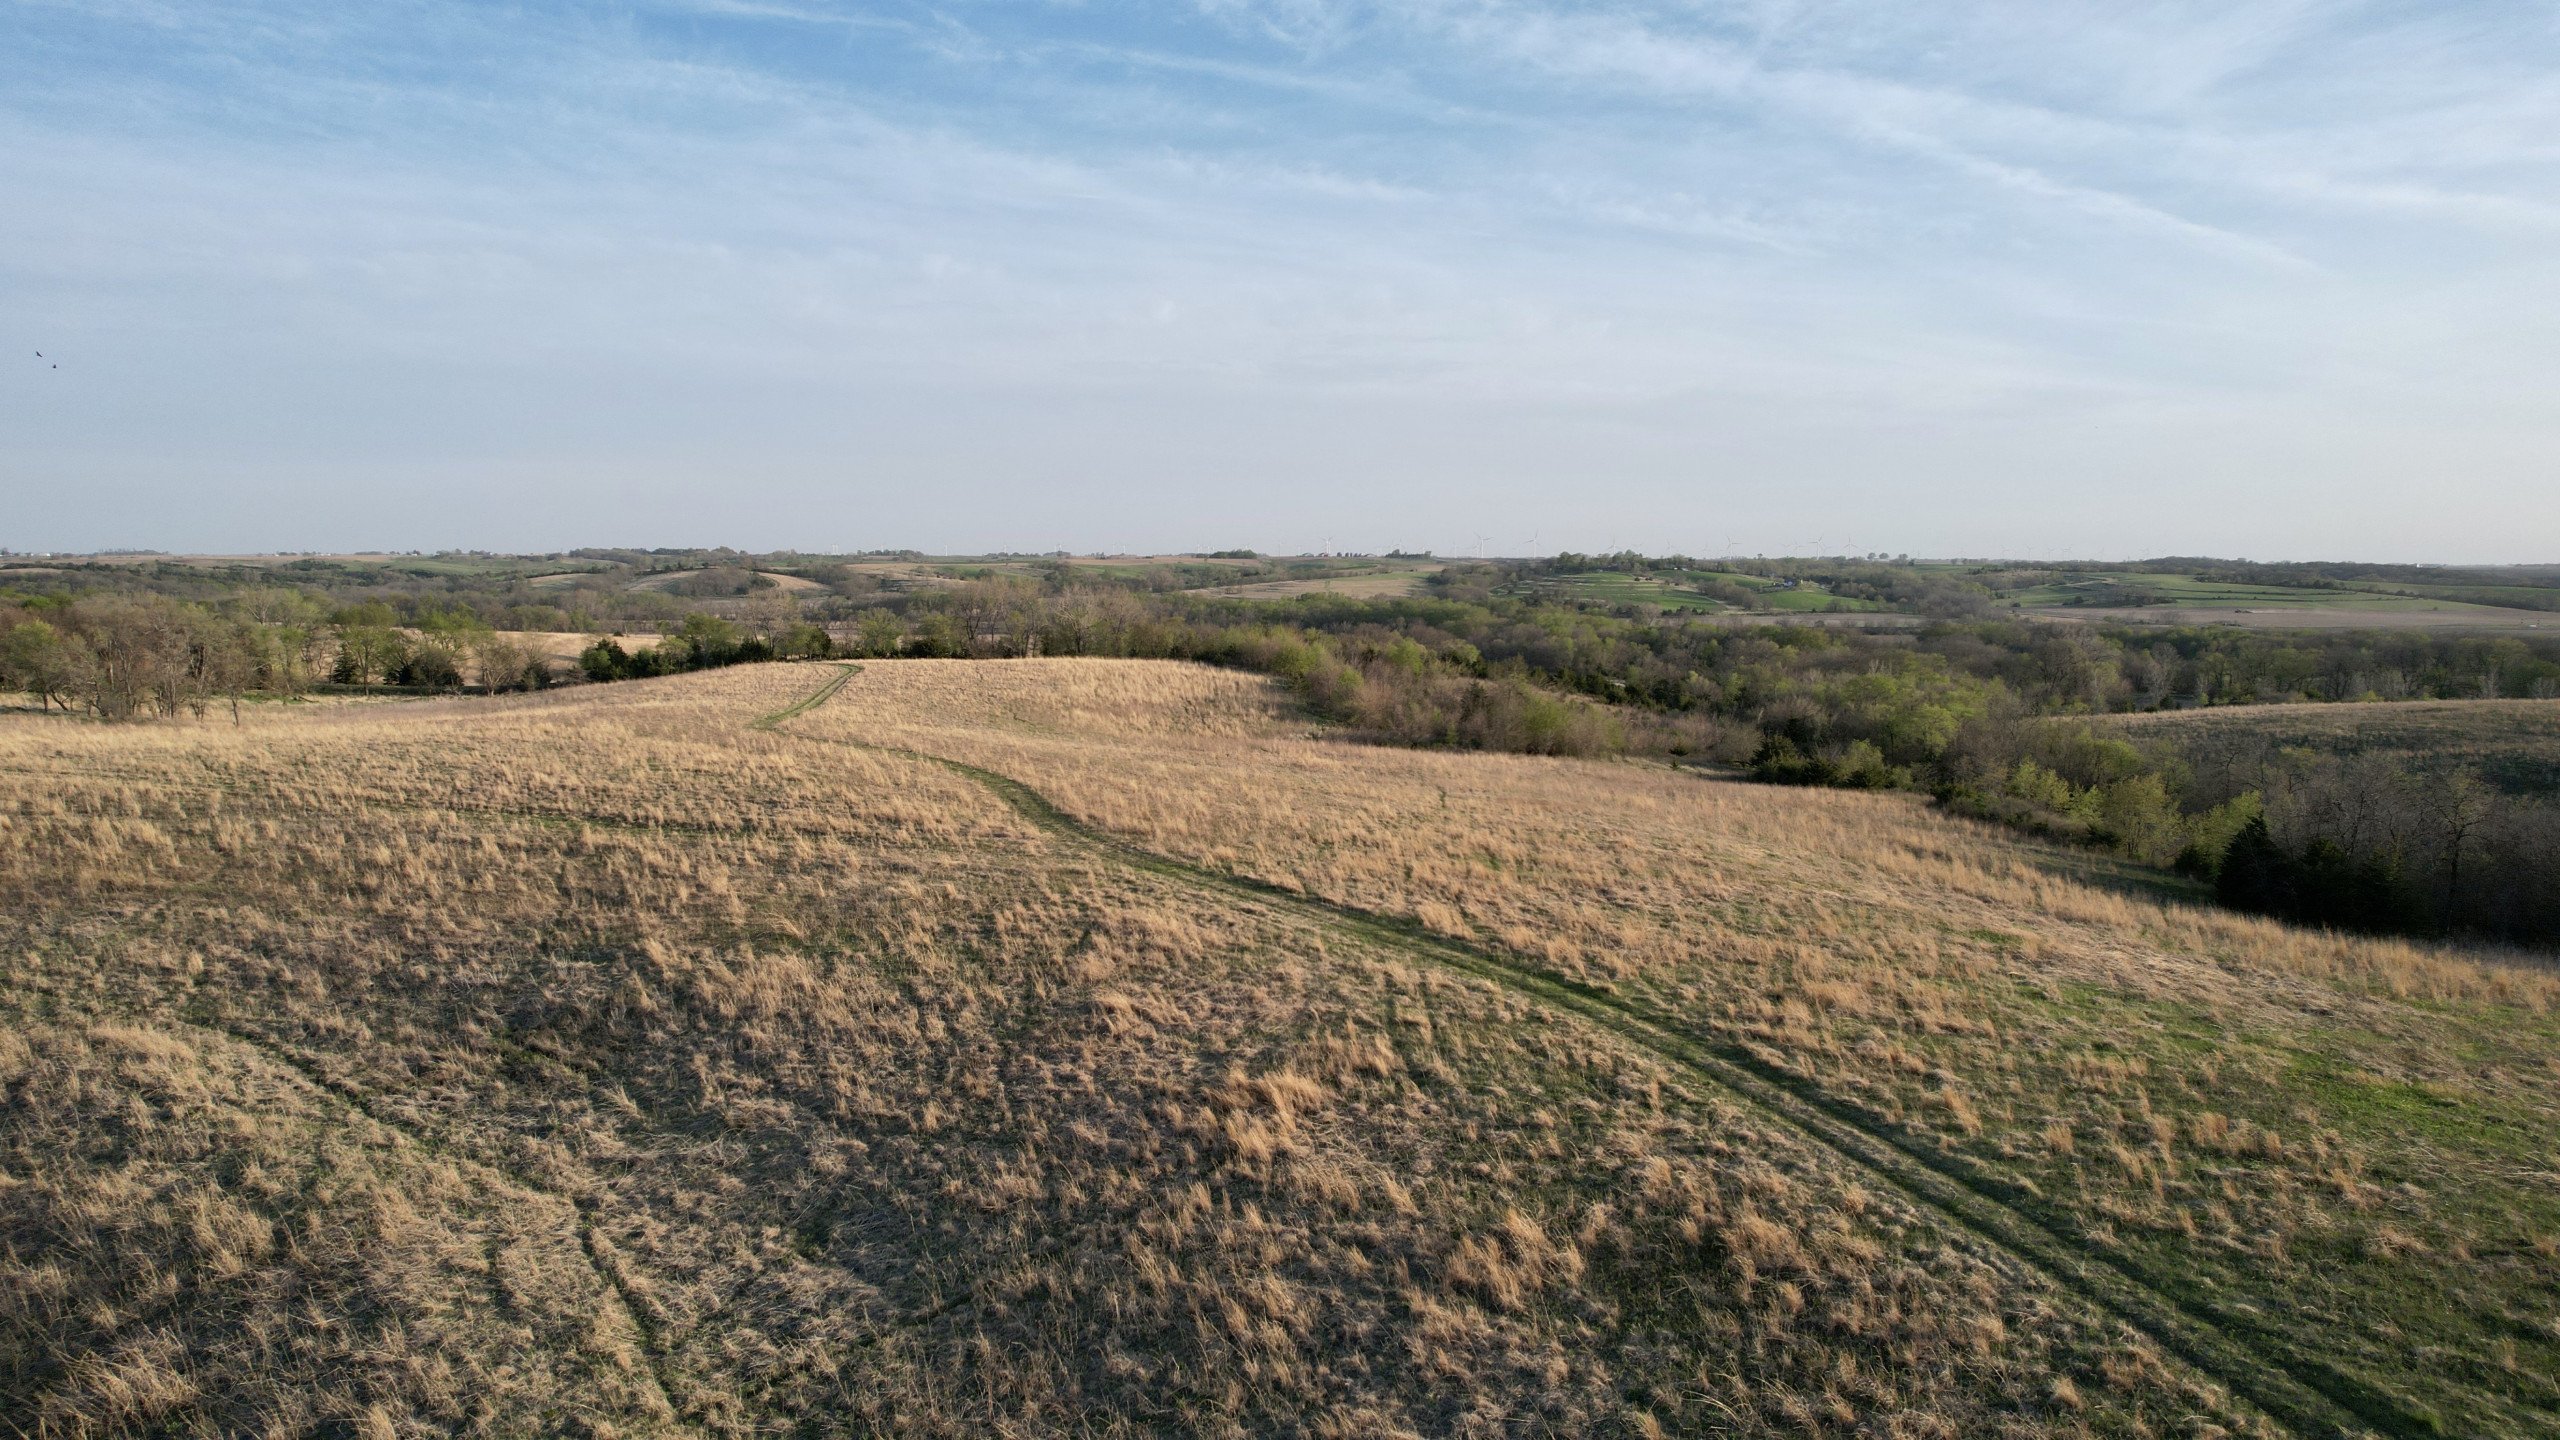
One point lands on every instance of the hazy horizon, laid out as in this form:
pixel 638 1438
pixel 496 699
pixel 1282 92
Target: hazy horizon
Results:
pixel 2276 280
pixel 1201 552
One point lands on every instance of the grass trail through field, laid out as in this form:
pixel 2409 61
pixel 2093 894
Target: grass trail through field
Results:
pixel 608 1273
pixel 2304 1394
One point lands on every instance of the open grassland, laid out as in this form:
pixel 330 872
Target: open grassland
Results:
pixel 563 647
pixel 667 578
pixel 2513 745
pixel 2196 592
pixel 1612 588
pixel 1675 590
pixel 1802 597
pixel 604 1063
pixel 2313 617
pixel 2334 1151
pixel 2524 597
pixel 2146 597
pixel 694 1056
pixel 1363 584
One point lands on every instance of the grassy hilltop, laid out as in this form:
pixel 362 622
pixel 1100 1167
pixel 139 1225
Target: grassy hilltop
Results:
pixel 1092 1046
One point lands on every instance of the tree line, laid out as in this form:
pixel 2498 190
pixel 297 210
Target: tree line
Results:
pixel 124 657
pixel 139 656
pixel 703 642
pixel 1979 712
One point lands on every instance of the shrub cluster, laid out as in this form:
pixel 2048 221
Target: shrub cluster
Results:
pixel 704 642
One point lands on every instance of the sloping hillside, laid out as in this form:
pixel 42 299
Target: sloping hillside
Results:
pixel 1089 1047
pixel 2513 745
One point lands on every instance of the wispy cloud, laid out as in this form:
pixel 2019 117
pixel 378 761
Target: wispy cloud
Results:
pixel 1675 250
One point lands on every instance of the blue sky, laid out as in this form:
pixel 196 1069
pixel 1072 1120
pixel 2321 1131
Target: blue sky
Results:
pixel 2062 279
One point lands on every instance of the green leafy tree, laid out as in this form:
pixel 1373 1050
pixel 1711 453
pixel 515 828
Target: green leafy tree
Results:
pixel 711 639
pixel 606 660
pixel 35 658
pixel 803 640
pixel 370 654
pixel 432 665
pixel 2042 788
pixel 939 634
pixel 880 632
pixel 2139 817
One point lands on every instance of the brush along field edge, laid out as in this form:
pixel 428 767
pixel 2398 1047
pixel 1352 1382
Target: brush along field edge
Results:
pixel 2304 1395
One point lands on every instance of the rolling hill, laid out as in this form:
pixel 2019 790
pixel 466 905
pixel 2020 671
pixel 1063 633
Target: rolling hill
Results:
pixel 1100 1047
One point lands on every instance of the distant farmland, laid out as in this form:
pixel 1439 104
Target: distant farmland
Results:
pixel 1680 590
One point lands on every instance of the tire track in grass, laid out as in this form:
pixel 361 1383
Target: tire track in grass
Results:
pixel 607 1268
pixel 808 702
pixel 2301 1393
pixel 652 1356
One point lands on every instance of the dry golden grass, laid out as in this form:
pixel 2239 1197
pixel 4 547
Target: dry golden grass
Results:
pixel 1602 869
pixel 2190 1091
pixel 784 583
pixel 201 1235
pixel 1406 580
pixel 563 647
pixel 597 1062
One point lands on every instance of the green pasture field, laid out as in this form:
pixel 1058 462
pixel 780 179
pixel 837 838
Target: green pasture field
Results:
pixel 1805 597
pixel 2520 597
pixel 1615 588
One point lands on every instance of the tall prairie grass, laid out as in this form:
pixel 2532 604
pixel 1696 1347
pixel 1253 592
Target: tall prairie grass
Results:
pixel 596 1062
pixel 2020 1006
